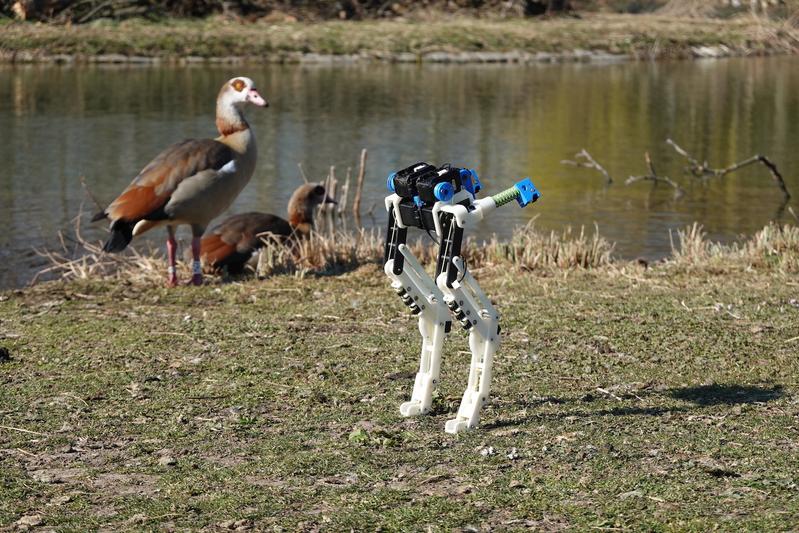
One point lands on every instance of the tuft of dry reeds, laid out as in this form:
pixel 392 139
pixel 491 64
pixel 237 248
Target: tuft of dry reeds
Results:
pixel 333 248
pixel 325 253
pixel 783 35
pixel 332 252
pixel 775 246
pixel 339 250
pixel 531 250
pixel 527 249
pixel 79 258
pixel 321 253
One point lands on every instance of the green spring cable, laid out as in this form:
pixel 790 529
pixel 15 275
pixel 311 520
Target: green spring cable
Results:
pixel 508 195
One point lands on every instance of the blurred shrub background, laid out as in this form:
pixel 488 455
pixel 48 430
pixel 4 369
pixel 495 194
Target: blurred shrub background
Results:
pixel 82 11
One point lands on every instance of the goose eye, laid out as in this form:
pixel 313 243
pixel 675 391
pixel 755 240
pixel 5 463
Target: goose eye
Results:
pixel 319 190
pixel 238 85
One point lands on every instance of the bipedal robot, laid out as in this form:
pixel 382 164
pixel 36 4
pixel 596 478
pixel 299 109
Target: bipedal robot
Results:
pixel 444 200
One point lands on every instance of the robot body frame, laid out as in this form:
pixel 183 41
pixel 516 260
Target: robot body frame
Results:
pixel 444 200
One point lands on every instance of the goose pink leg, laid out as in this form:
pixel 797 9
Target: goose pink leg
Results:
pixel 197 274
pixel 171 250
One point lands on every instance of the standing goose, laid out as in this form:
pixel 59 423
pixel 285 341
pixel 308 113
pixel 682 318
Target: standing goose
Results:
pixel 190 182
pixel 235 239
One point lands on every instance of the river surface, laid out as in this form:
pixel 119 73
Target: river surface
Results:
pixel 105 123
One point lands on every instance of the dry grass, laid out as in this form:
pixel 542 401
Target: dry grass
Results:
pixel 321 253
pixel 644 36
pixel 79 258
pixel 530 250
pixel 337 251
pixel 783 34
pixel 774 247
pixel 333 252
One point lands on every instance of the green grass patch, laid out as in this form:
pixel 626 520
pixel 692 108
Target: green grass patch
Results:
pixel 646 399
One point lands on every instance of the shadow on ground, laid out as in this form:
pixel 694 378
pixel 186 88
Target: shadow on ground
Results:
pixel 701 396
pixel 727 394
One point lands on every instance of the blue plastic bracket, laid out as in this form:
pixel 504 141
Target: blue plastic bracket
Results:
pixel 470 181
pixel 475 181
pixel 527 192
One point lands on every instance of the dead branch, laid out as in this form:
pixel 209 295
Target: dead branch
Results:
pixel 302 173
pixel 371 214
pixel 333 192
pixel 96 9
pixel 695 167
pixel 704 171
pixel 345 189
pixel 331 188
pixel 653 176
pixel 322 211
pixel 356 204
pixel 775 175
pixel 589 162
pixel 90 194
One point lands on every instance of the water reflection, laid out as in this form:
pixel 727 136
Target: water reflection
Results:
pixel 59 123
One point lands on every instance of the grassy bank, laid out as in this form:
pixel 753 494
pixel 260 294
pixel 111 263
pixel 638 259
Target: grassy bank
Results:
pixel 625 398
pixel 633 35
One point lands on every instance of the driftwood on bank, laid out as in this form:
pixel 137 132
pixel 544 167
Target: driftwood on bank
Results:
pixel 704 171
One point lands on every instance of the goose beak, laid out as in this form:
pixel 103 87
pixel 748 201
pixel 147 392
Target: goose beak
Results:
pixel 329 200
pixel 254 98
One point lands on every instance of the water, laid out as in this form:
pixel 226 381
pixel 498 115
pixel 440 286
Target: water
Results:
pixel 60 123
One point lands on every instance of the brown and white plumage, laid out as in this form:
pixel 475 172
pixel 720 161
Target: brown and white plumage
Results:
pixel 190 182
pixel 231 244
pixel 148 197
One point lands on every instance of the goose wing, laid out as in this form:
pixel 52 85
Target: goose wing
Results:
pixel 147 194
pixel 235 239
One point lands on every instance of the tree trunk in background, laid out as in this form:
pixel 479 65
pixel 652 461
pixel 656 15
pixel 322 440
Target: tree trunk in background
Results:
pixel 534 8
pixel 557 6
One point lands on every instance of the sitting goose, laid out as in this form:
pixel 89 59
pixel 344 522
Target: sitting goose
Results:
pixel 235 239
pixel 190 182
